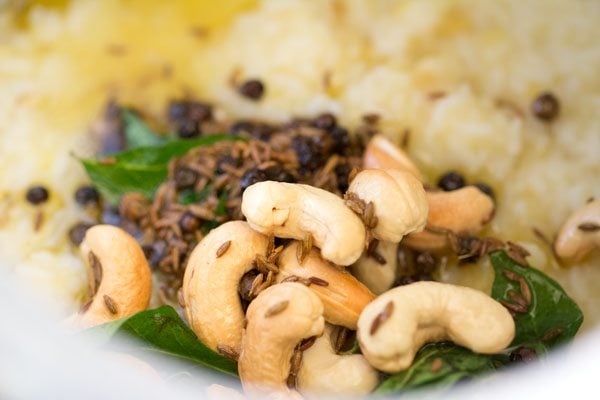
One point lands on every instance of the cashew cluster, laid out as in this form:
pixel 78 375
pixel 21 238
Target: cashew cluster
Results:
pixel 374 274
pixel 399 201
pixel 278 319
pixel 323 371
pixel 399 322
pixel 119 277
pixel 210 283
pixel 580 233
pixel 296 211
pixel 343 296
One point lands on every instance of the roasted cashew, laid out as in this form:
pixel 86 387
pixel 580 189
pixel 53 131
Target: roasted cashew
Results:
pixel 278 319
pixel 119 277
pixel 210 283
pixel 374 275
pixel 323 372
pixel 383 154
pixel 461 211
pixel 343 296
pixel 394 327
pixel 296 211
pixel 400 203
pixel 580 233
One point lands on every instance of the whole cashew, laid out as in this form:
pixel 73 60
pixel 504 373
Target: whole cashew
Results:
pixel 383 154
pixel 395 326
pixel 323 372
pixel 278 319
pixel 119 277
pixel 580 233
pixel 399 199
pixel 374 275
pixel 295 211
pixel 343 296
pixel 462 211
pixel 210 283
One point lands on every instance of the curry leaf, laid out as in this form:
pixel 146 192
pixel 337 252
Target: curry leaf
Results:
pixel 162 331
pixel 552 318
pixel 137 133
pixel 551 312
pixel 441 364
pixel 142 169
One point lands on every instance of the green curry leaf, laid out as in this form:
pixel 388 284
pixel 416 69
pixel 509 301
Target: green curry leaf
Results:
pixel 141 169
pixel 552 318
pixel 137 133
pixel 551 312
pixel 162 331
pixel 440 364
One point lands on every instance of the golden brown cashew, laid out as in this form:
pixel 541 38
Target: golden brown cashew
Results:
pixel 395 326
pixel 119 277
pixel 383 154
pixel 399 199
pixel 278 319
pixel 580 233
pixel 343 296
pixel 462 211
pixel 374 275
pixel 210 283
pixel 323 372
pixel 296 211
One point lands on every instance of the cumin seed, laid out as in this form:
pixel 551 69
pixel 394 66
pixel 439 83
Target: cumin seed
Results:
pixel 436 365
pixel 318 281
pixel 525 291
pixel 589 227
pixel 228 351
pixel 223 248
pixel 180 297
pixel 378 258
pixel 517 298
pixel 96 267
pixel 306 343
pixel 110 304
pixel 382 317
pixel 511 275
pixel 277 308
pixel 514 307
pixel 552 334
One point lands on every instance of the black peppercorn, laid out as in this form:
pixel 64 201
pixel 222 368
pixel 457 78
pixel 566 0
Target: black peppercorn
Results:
pixel 485 188
pixel 523 354
pixel 277 173
pixel 546 107
pixel 77 232
pixel 185 178
pixel 252 89
pixel 325 121
pixel 451 181
pixel 308 153
pixel 87 195
pixel 37 195
pixel 189 223
pixel 245 284
pixel 251 177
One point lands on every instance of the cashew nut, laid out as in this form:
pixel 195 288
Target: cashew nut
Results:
pixel 210 283
pixel 399 199
pixel 462 211
pixel 278 319
pixel 374 275
pixel 295 211
pixel 580 233
pixel 394 327
pixel 325 372
pixel 381 153
pixel 343 296
pixel 119 277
